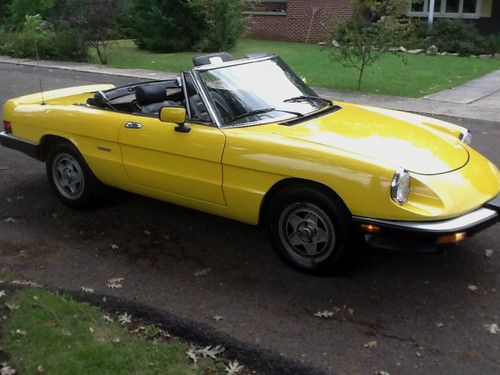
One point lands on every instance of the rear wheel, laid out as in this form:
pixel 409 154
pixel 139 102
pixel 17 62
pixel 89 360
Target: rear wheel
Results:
pixel 70 177
pixel 310 229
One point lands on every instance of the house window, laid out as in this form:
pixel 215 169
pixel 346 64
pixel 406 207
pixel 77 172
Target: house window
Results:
pixel 265 7
pixel 446 8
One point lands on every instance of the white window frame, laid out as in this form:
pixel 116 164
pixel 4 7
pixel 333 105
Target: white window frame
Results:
pixel 265 13
pixel 443 14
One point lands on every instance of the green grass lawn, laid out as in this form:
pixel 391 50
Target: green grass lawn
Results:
pixel 422 75
pixel 60 336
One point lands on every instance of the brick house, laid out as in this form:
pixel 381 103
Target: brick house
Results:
pixel 308 20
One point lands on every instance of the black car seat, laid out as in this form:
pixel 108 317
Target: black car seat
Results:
pixel 152 98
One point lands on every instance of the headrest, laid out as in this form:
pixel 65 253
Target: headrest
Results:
pixel 212 58
pixel 147 94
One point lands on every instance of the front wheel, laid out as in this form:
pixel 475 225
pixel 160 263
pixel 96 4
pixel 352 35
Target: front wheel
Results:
pixel 310 230
pixel 70 177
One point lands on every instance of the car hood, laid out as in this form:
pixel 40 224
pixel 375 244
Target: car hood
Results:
pixel 394 138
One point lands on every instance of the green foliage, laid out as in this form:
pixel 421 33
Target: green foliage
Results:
pixel 67 337
pixel 183 25
pixel 19 9
pixel 358 42
pixel 166 26
pixel 374 10
pixel 38 39
pixel 224 25
pixel 492 44
pixel 452 35
pixel 59 29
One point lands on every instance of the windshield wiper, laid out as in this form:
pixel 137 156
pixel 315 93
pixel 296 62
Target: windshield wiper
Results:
pixel 261 111
pixel 303 98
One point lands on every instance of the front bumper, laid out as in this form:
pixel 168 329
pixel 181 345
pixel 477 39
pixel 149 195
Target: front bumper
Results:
pixel 428 235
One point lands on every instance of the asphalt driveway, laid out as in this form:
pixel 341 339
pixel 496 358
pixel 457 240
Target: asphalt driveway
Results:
pixel 398 312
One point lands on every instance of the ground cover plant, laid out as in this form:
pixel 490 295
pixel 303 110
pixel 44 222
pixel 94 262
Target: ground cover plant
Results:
pixel 54 334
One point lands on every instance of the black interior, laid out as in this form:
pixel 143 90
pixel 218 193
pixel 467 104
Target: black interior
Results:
pixel 150 99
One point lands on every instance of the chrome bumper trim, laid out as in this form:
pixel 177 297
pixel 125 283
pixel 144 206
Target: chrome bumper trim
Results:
pixel 457 224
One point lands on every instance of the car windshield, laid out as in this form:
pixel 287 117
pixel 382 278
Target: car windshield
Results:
pixel 259 92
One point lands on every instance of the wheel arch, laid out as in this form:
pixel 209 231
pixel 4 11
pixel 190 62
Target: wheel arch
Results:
pixel 289 183
pixel 48 141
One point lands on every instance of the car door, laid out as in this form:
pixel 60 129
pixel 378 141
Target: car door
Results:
pixel 185 164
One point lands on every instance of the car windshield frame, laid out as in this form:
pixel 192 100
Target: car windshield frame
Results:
pixel 287 111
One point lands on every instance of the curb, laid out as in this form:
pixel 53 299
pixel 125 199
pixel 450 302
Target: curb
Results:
pixel 262 361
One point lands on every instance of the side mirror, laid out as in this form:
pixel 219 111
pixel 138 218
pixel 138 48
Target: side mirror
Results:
pixel 176 115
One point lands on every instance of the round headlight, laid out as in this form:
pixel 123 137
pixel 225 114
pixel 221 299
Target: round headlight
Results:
pixel 466 137
pixel 400 186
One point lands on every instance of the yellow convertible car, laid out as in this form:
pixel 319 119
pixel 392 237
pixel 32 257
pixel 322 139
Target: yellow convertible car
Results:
pixel 249 140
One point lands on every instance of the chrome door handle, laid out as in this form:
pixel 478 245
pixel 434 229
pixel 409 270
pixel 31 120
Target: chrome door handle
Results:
pixel 133 125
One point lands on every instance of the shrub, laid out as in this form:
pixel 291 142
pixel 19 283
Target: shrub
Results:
pixel 167 26
pixel 492 44
pixel 182 25
pixel 452 35
pixel 224 25
pixel 19 9
pixel 38 39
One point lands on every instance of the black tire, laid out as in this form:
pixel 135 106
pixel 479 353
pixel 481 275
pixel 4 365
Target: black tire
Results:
pixel 71 178
pixel 311 229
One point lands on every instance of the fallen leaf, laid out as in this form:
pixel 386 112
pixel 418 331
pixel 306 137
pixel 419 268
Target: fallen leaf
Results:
pixel 418 354
pixel 116 340
pixel 25 283
pixel 6 369
pixel 87 290
pixel 20 332
pixel 202 272
pixel 2 293
pixel 147 233
pixel 371 344
pixel 138 329
pixel 191 353
pixel 324 314
pixel 107 318
pixel 233 368
pixel 40 370
pixel 125 318
pixel 91 330
pixel 114 246
pixel 209 351
pixel 488 253
pixel 382 372
pixel 350 311
pixel 115 283
pixel 218 317
pixel 472 288
pixel 439 324
pixel 12 306
pixel 10 220
pixel 492 328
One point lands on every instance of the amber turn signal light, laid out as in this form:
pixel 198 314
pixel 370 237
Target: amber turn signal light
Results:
pixel 370 228
pixel 451 238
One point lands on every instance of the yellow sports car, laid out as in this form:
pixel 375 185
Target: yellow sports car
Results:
pixel 249 140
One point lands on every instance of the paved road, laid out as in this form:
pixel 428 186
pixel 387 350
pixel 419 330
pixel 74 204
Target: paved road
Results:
pixel 416 306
